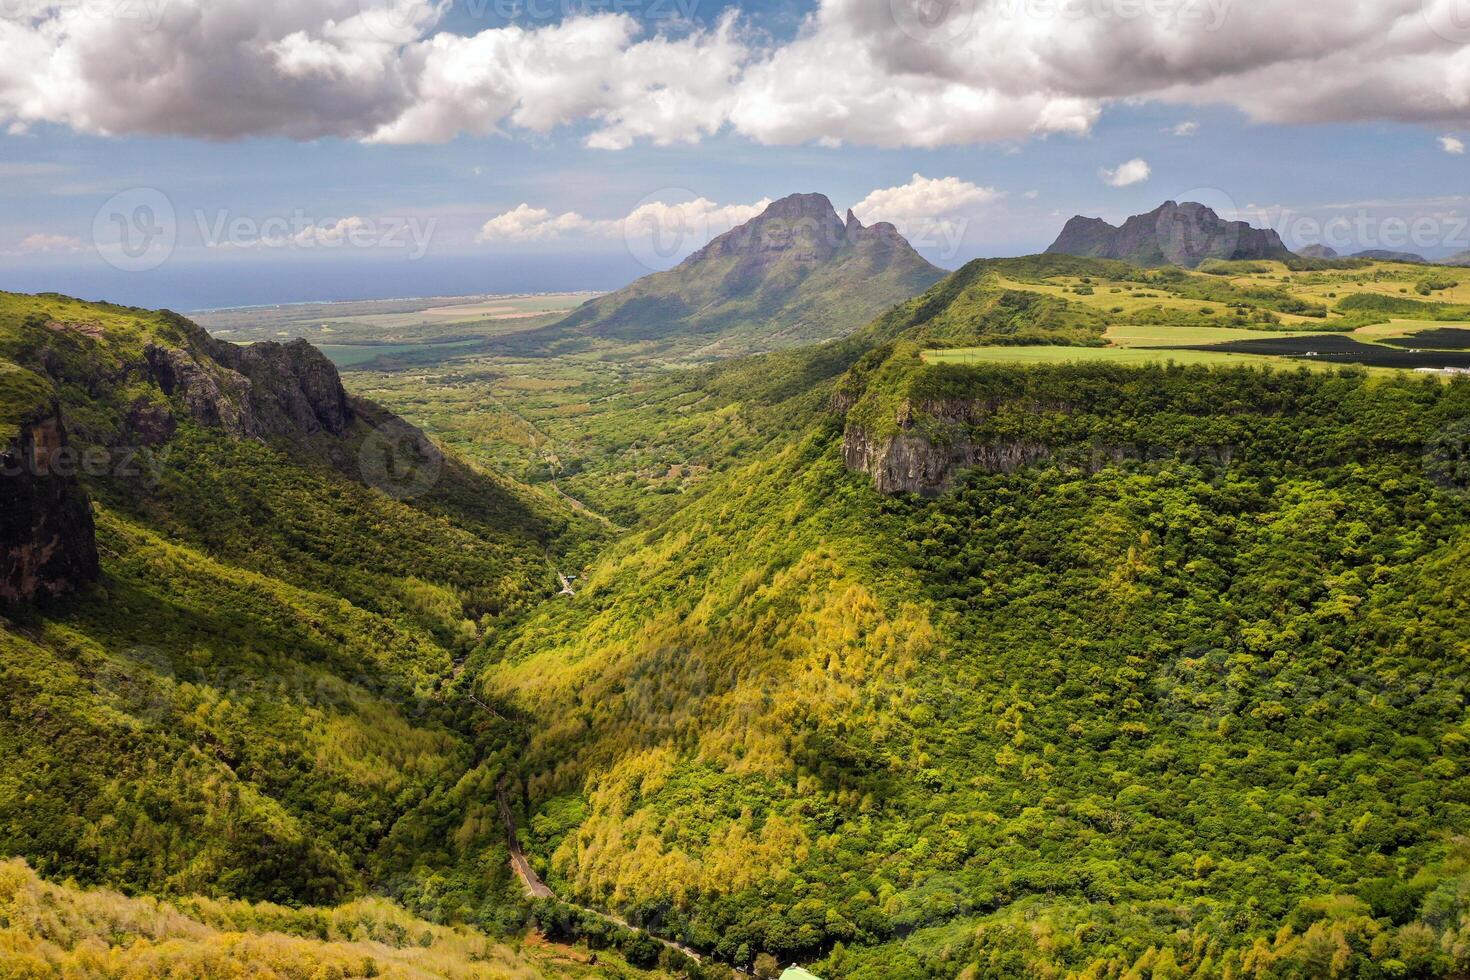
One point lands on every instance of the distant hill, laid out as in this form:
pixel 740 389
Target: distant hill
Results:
pixel 1385 255
pixel 1174 234
pixel 1460 258
pixel 1317 252
pixel 796 273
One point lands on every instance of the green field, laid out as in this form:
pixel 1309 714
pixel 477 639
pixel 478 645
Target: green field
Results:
pixel 1129 335
pixel 1127 356
pixel 350 356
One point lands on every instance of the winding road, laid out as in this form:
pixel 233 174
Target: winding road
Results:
pixel 536 888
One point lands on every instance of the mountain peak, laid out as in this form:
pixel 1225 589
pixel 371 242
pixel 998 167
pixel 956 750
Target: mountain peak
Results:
pixel 1184 234
pixel 800 206
pixel 796 272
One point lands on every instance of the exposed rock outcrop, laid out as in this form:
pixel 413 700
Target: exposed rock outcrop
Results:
pixel 908 462
pixel 915 460
pixel 295 388
pixel 48 541
pixel 1185 234
pixel 934 442
pixel 263 390
pixel 218 399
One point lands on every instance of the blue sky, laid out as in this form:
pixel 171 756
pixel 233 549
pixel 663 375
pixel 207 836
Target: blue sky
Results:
pixel 358 213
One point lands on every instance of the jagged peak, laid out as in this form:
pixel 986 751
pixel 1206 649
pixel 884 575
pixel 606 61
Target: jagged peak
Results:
pixel 800 206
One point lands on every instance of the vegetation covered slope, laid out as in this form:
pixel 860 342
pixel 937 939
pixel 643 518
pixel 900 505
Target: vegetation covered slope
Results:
pixel 794 274
pixel 48 930
pixel 258 699
pixel 1176 692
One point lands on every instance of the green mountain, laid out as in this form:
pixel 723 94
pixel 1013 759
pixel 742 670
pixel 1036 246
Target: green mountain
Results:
pixel 1187 234
pixel 1072 669
pixel 794 274
pixel 1387 255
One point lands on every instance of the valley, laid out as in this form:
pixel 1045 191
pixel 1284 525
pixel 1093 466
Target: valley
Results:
pixel 753 490
pixel 1060 617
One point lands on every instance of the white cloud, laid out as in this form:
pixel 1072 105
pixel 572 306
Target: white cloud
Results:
pixel 1186 128
pixel 587 68
pixel 923 198
pixel 929 212
pixel 1127 174
pixel 1450 144
pixel 838 83
pixel 307 69
pixel 42 242
pixel 857 71
pixel 695 221
pixel 527 224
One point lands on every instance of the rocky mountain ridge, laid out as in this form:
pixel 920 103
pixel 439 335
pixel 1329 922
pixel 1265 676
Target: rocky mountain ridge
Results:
pixel 1186 235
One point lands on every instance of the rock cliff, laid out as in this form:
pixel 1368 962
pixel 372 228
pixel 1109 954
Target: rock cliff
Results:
pixel 263 390
pixel 130 394
pixel 925 459
pixel 47 539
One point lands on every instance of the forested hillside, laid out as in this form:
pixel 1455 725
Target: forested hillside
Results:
pixel 1166 680
pixel 254 695
pixel 48 930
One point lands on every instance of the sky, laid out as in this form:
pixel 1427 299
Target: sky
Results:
pixel 203 153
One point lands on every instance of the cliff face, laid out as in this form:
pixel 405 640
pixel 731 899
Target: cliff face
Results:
pixel 1076 418
pixel 912 460
pixel 47 540
pixel 264 390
